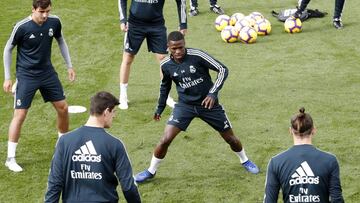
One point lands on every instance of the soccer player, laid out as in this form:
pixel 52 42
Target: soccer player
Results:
pixel 339 5
pixel 33 37
pixel 146 21
pixel 303 172
pixel 194 11
pixel 88 162
pixel 198 97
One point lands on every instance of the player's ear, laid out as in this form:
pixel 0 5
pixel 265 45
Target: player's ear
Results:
pixel 313 131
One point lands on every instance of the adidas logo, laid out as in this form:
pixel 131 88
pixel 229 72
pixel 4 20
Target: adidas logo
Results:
pixel 304 175
pixel 86 153
pixel 32 36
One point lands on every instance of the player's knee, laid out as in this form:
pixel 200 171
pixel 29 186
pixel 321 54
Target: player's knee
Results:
pixel 62 108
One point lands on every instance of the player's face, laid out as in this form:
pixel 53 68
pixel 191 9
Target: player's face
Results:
pixel 177 49
pixel 40 15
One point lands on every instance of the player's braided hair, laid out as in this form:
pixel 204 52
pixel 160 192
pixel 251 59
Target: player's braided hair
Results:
pixel 175 36
pixel 302 123
pixel 41 3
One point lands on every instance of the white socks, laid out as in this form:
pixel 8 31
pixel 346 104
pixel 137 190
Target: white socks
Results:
pixel 123 90
pixel 242 156
pixel 154 164
pixel 11 149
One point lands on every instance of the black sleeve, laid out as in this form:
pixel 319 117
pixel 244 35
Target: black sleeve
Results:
pixel 165 88
pixel 223 72
pixel 122 4
pixel 272 185
pixel 181 8
pixel 335 185
pixel 56 178
pixel 132 195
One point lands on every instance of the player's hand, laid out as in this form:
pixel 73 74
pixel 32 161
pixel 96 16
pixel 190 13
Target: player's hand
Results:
pixel 7 85
pixel 208 102
pixel 183 31
pixel 71 74
pixel 124 27
pixel 157 117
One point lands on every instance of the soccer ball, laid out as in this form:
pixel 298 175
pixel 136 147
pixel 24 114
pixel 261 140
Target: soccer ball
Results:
pixel 241 23
pixel 229 34
pixel 256 16
pixel 247 35
pixel 293 25
pixel 263 27
pixel 235 18
pixel 251 20
pixel 221 22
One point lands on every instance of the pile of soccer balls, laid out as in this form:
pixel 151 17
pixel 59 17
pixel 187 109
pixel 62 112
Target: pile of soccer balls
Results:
pixel 242 28
pixel 246 29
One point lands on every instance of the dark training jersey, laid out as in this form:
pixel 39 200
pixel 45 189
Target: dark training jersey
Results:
pixel 150 12
pixel 304 174
pixel 34 43
pixel 191 77
pixel 86 167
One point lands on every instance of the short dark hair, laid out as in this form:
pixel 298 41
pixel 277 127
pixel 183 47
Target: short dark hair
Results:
pixel 41 3
pixel 302 123
pixel 101 101
pixel 175 36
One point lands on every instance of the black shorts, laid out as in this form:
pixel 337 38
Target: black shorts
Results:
pixel 183 114
pixel 49 86
pixel 155 38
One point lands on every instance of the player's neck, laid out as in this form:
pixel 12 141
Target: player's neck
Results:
pixel 94 121
pixel 302 141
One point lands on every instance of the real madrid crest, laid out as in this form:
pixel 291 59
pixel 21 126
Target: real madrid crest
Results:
pixel 192 69
pixel 51 32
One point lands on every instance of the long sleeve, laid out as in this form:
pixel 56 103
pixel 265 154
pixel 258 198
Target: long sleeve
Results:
pixel 56 179
pixel 125 175
pixel 64 51
pixel 165 88
pixel 220 68
pixel 122 4
pixel 335 191
pixel 7 57
pixel 181 7
pixel 272 185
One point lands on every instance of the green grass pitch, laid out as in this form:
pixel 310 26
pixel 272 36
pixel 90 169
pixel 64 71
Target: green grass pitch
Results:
pixel 268 82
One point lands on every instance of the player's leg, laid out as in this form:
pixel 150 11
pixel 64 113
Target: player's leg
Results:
pixel 339 5
pixel 132 43
pixel 214 7
pixel 126 62
pixel 180 119
pixel 217 118
pixel 24 93
pixel 159 153
pixel 194 11
pixel 61 108
pixel 52 91
pixel 14 135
